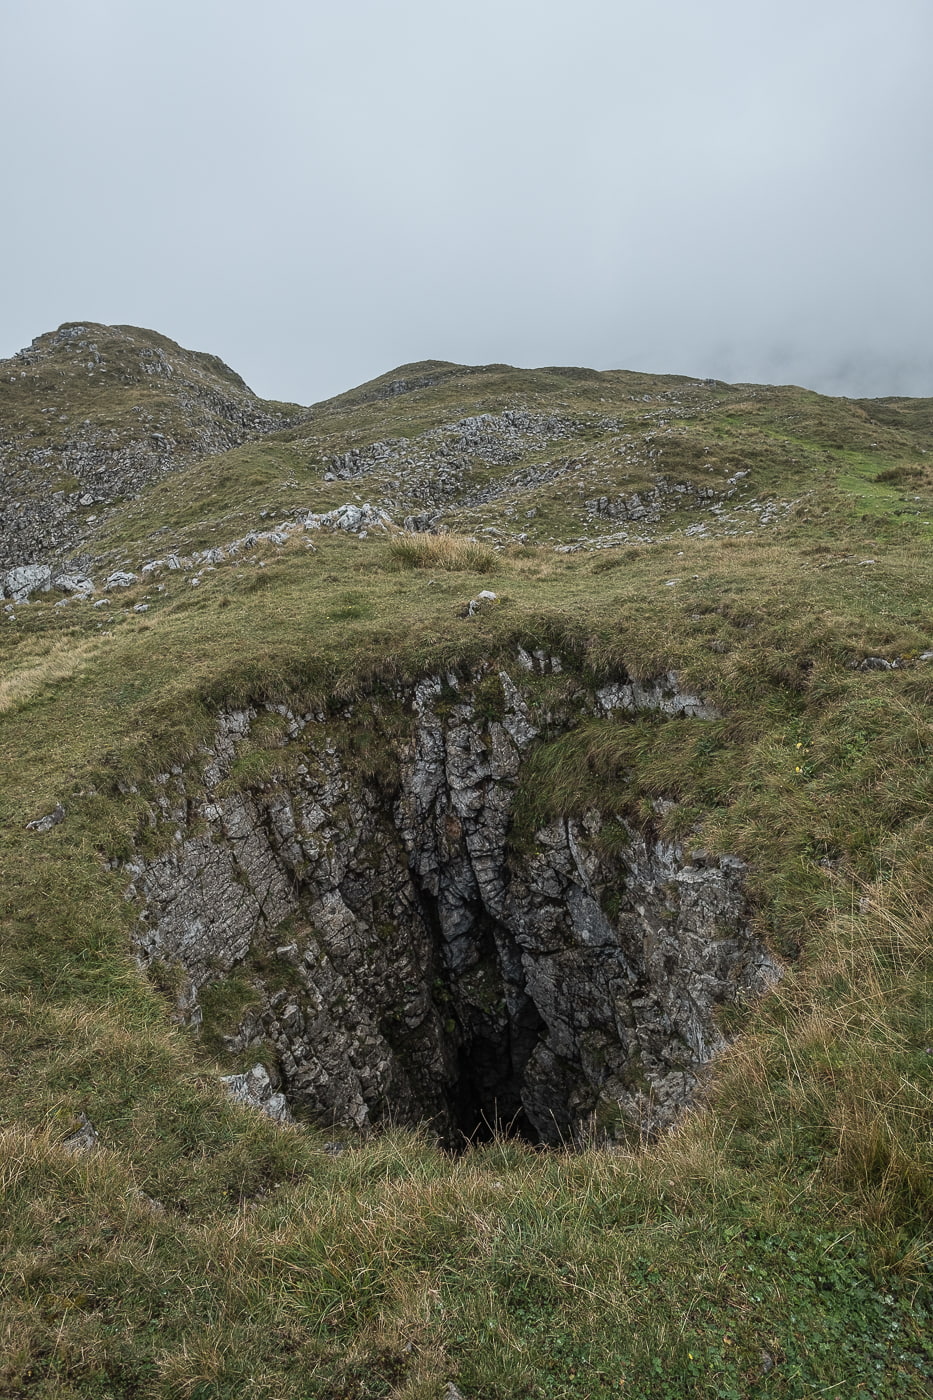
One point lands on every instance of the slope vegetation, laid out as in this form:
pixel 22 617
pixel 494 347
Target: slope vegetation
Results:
pixel 289 792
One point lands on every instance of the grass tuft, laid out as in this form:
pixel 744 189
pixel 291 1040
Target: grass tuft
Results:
pixel 448 552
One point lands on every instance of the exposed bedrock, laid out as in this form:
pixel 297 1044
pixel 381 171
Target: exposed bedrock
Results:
pixel 399 956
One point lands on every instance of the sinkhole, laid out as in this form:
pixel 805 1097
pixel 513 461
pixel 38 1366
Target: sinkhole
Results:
pixel 417 967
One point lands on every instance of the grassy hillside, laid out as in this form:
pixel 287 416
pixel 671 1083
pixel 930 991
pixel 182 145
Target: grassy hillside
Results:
pixel 579 437
pixel 778 1242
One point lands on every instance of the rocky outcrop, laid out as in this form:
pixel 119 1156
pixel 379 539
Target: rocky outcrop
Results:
pixel 21 583
pixel 402 956
pixel 254 1090
pixel 436 468
pixel 648 504
pixel 351 518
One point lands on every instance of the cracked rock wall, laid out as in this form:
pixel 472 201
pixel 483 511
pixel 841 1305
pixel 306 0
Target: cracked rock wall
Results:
pixel 404 960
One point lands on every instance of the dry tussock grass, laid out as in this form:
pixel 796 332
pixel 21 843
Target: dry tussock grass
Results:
pixel 832 1060
pixel 447 552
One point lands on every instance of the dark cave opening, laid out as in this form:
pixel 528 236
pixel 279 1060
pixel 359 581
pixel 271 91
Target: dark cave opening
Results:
pixel 486 1095
pixel 493 1028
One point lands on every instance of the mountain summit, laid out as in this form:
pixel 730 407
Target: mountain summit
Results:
pixel 91 414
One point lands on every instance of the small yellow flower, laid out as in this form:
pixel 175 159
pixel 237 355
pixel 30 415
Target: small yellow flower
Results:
pixel 798 769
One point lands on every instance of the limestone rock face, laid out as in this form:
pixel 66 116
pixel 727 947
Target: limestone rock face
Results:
pixel 407 960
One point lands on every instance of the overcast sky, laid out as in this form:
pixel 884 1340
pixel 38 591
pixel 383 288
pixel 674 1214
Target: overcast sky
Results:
pixel 318 191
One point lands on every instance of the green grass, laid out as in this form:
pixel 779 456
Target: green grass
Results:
pixel 778 1244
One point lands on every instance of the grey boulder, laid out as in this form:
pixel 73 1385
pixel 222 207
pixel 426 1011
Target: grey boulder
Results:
pixel 18 583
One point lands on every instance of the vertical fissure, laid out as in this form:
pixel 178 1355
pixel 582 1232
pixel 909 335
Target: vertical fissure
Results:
pixel 491 1026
